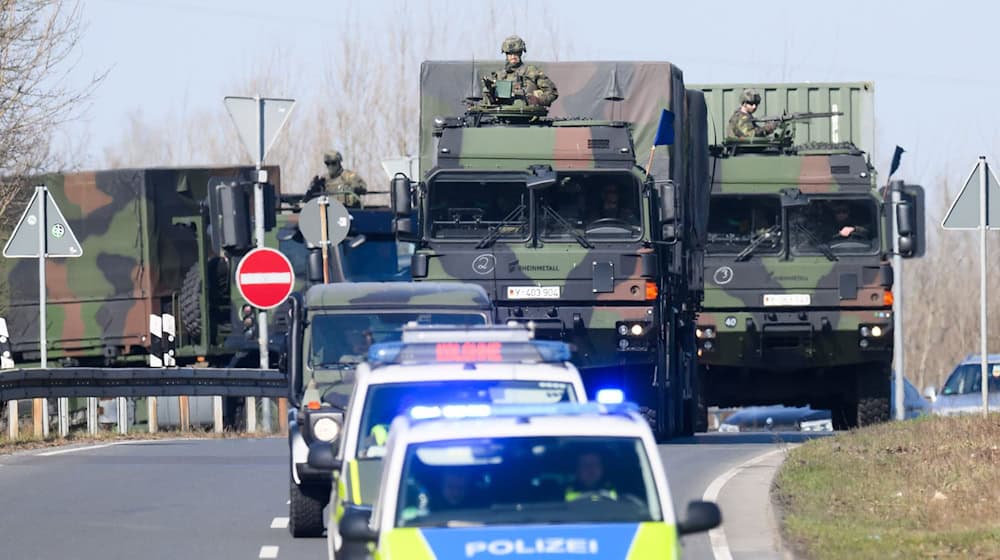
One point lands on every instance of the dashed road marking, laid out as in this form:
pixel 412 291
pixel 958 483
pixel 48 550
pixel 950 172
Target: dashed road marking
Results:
pixel 717 537
pixel 268 552
pixel 279 523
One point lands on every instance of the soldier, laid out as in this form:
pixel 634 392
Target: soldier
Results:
pixel 842 226
pixel 346 185
pixel 741 124
pixel 530 83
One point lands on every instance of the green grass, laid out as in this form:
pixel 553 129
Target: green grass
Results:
pixel 27 441
pixel 927 488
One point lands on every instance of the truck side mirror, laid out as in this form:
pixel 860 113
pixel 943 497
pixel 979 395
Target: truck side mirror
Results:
pixel 314 266
pixel 666 194
pixel 229 206
pixel 910 220
pixel 400 189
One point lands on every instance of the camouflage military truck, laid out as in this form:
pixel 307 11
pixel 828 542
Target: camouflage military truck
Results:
pixel 154 242
pixel 331 328
pixel 798 290
pixel 553 213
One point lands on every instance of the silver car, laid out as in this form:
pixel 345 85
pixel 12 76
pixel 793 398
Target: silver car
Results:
pixel 962 392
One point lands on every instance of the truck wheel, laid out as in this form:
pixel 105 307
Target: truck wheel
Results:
pixel 873 396
pixel 305 509
pixel 190 303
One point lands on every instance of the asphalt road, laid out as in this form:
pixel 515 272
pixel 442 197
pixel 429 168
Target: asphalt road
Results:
pixel 228 498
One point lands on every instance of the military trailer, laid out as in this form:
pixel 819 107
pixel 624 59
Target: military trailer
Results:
pixel 798 289
pixel 568 219
pixel 331 328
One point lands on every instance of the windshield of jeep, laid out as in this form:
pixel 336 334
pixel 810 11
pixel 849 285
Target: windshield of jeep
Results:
pixel 842 226
pixel 387 400
pixel 526 480
pixel 598 206
pixel 342 339
pixel 736 221
pixel 471 206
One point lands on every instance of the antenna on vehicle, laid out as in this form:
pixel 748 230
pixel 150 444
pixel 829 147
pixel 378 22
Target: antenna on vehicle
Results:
pixel 474 93
pixel 614 93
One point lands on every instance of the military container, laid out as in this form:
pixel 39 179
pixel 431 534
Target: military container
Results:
pixel 798 289
pixel 569 219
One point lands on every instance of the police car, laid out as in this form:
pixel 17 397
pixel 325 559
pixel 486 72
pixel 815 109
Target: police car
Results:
pixel 431 365
pixel 556 481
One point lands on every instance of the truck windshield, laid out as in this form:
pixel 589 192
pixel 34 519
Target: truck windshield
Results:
pixel 597 206
pixel 343 338
pixel 736 221
pixel 375 260
pixel 386 401
pixel 527 480
pixel 842 226
pixel 470 206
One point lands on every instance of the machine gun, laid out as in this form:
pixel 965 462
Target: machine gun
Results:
pixel 789 117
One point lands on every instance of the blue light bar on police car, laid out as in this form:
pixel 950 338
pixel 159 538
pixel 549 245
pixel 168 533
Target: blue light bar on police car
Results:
pixel 610 396
pixel 466 352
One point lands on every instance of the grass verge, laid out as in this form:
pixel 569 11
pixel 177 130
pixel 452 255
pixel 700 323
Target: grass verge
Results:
pixel 925 488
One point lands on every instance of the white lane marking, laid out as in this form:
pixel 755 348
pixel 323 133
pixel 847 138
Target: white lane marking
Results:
pixel 250 278
pixel 268 552
pixel 103 445
pixel 279 523
pixel 720 546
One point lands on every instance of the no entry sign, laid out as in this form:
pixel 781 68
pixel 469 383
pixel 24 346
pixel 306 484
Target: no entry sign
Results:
pixel 264 278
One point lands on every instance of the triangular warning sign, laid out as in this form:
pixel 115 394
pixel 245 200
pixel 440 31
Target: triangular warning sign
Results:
pixel 964 211
pixel 60 241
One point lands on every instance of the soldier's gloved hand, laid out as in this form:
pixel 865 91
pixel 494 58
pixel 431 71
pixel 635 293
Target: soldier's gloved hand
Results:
pixel 533 100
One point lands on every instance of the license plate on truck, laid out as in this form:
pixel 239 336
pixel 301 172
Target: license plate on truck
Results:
pixel 533 292
pixel 786 300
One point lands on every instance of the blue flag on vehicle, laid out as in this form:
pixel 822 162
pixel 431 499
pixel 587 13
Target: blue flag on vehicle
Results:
pixel 665 130
pixel 895 160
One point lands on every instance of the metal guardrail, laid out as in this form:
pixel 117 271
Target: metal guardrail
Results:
pixel 23 383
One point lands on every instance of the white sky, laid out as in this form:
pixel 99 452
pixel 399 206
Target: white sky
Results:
pixel 933 64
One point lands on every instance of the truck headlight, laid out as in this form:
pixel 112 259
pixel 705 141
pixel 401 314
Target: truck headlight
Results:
pixel 326 429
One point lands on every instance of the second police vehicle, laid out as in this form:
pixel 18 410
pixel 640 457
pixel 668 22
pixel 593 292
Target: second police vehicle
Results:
pixel 429 366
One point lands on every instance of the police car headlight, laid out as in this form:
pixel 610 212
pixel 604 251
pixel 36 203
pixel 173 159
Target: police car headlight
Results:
pixel 326 429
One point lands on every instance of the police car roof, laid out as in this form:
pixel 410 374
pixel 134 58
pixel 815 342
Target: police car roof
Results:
pixel 415 373
pixel 554 425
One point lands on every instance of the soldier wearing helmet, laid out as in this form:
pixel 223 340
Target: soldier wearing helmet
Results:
pixel 347 186
pixel 741 124
pixel 529 82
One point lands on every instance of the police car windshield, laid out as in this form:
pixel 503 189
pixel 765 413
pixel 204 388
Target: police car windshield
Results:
pixel 527 480
pixel 968 378
pixel 386 401
pixel 343 338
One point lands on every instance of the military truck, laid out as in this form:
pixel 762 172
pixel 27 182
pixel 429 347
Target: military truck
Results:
pixel 569 219
pixel 331 328
pixel 798 299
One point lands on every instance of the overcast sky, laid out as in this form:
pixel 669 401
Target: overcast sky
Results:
pixel 934 65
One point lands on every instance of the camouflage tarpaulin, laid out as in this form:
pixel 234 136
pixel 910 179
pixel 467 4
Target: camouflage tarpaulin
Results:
pixel 646 89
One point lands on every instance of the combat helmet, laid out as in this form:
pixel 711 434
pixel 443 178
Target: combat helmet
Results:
pixel 750 96
pixel 513 45
pixel 332 156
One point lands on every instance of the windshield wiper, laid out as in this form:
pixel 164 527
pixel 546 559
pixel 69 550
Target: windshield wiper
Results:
pixel 494 232
pixel 823 248
pixel 548 211
pixel 757 240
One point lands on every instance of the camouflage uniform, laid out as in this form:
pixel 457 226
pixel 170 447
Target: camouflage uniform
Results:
pixel 529 81
pixel 346 185
pixel 742 125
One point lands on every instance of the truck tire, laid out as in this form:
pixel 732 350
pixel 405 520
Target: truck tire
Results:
pixel 872 406
pixel 190 303
pixel 305 509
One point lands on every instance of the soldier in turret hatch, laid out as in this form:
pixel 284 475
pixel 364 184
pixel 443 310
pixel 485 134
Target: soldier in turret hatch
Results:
pixel 346 185
pixel 742 125
pixel 529 82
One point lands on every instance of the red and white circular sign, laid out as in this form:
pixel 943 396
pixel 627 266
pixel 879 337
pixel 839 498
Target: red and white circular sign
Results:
pixel 264 278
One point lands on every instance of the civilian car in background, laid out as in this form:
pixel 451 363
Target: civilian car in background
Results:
pixel 962 391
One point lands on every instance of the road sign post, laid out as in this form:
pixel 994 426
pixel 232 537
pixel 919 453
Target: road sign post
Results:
pixel 43 232
pixel 258 121
pixel 978 207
